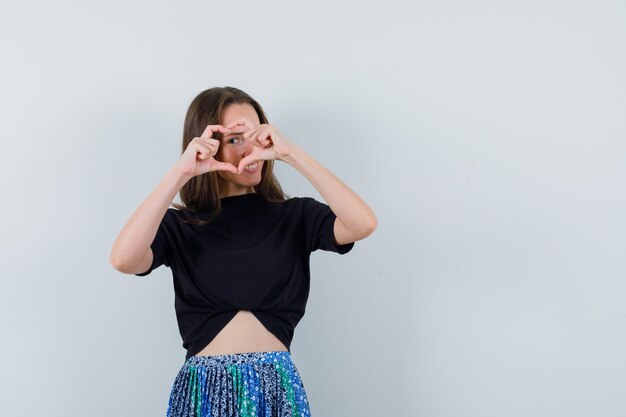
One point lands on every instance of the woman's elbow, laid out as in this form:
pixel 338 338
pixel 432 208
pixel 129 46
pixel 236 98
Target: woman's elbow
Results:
pixel 371 225
pixel 368 227
pixel 116 262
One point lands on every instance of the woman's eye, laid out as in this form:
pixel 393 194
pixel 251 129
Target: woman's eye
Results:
pixel 232 139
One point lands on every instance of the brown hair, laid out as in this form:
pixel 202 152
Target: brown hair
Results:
pixel 201 193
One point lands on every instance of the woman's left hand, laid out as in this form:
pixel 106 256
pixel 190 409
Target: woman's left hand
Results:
pixel 268 143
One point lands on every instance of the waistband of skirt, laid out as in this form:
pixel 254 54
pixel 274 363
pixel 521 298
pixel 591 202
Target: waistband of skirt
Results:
pixel 238 358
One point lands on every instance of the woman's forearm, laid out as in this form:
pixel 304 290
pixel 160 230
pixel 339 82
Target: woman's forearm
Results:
pixel 356 216
pixel 137 235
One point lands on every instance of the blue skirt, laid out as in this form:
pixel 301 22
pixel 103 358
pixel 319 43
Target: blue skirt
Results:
pixel 250 384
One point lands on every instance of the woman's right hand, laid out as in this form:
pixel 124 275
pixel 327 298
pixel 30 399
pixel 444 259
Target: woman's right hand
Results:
pixel 199 159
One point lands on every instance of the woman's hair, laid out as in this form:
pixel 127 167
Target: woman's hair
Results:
pixel 201 193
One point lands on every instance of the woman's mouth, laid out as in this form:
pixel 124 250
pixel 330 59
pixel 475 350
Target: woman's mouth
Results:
pixel 251 168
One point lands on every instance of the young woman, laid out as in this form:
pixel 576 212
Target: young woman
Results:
pixel 238 249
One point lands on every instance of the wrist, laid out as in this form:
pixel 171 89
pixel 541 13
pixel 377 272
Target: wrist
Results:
pixel 176 176
pixel 294 156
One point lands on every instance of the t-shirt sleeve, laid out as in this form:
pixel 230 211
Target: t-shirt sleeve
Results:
pixel 319 223
pixel 161 249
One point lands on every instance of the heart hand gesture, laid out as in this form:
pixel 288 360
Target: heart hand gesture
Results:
pixel 268 143
pixel 199 159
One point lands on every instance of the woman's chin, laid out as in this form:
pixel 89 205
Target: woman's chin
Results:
pixel 248 179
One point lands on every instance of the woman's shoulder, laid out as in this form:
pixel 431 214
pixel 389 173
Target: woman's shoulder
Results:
pixel 297 201
pixel 175 215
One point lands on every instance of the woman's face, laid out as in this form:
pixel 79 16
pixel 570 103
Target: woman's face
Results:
pixel 234 148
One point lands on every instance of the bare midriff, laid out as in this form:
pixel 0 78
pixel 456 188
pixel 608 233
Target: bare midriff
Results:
pixel 244 333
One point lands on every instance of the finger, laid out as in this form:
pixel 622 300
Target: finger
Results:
pixel 208 132
pixel 234 131
pixel 244 126
pixel 263 137
pixel 225 166
pixel 213 149
pixel 240 122
pixel 252 134
pixel 246 161
pixel 211 143
pixel 203 150
pixel 206 144
pixel 258 154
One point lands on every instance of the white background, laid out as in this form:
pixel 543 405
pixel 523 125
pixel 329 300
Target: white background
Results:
pixel 488 137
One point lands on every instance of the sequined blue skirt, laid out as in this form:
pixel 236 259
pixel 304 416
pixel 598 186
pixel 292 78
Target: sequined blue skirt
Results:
pixel 251 384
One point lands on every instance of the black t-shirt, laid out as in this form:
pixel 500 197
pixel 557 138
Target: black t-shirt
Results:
pixel 255 257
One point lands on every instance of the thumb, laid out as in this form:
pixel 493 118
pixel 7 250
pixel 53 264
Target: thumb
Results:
pixel 245 161
pixel 225 166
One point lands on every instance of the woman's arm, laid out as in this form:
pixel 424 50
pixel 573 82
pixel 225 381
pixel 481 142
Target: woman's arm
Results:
pixel 131 251
pixel 355 219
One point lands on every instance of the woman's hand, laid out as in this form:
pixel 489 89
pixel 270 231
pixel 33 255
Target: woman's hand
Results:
pixel 268 142
pixel 198 157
